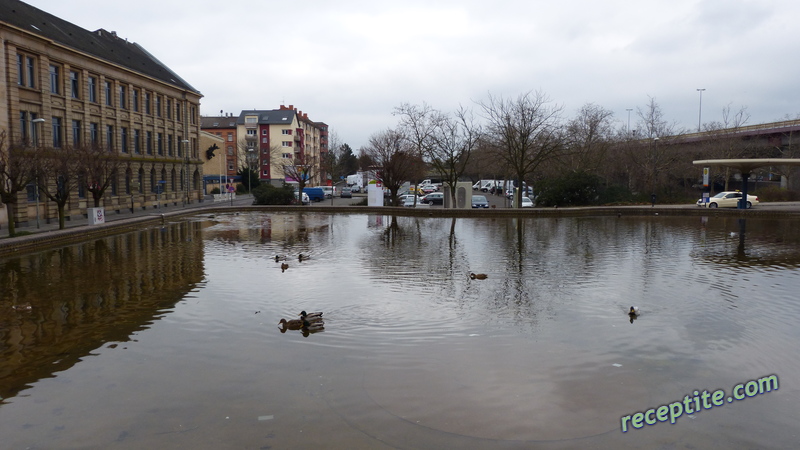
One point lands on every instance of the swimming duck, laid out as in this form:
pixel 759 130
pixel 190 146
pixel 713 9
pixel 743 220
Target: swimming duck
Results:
pixel 313 327
pixel 634 310
pixel 478 276
pixel 284 266
pixel 22 307
pixel 301 257
pixel 294 324
pixel 310 316
pixel 280 258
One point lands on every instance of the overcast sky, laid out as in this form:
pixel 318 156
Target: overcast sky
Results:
pixel 349 63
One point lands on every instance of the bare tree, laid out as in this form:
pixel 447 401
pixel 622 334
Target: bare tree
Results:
pixel 589 136
pixel 301 167
pixel 56 173
pixel 16 172
pixel 652 153
pixel 392 158
pixel 99 167
pixel 525 132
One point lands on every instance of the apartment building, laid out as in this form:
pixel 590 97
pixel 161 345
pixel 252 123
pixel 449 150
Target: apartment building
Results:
pixel 274 139
pixel 63 87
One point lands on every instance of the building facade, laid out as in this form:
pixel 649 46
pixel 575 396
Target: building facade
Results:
pixel 273 140
pixel 93 88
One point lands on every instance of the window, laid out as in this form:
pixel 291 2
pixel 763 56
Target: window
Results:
pixel 109 100
pixel 54 80
pixel 264 132
pixel 160 143
pixel 193 114
pixel 251 132
pixel 285 132
pixel 135 100
pixel 286 144
pixel 123 140
pixel 58 139
pixel 158 105
pixel 20 69
pixel 287 156
pixel 147 103
pixel 93 89
pixel 264 140
pixel 251 119
pixel 76 133
pixel 94 131
pixel 230 137
pixel 170 145
pixel 177 111
pixel 230 167
pixel 137 142
pixel 75 84
pixel 230 150
pixel 122 100
pixel 110 137
pixel 149 142
pixel 169 109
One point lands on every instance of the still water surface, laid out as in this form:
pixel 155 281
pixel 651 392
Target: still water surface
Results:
pixel 168 337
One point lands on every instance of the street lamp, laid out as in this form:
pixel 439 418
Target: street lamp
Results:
pixel 36 186
pixel 700 113
pixel 629 119
pixel 186 173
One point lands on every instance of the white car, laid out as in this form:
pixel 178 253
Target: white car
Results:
pixel 306 200
pixel 729 199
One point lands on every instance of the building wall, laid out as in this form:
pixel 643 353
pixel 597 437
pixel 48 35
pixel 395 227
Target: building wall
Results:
pixel 173 116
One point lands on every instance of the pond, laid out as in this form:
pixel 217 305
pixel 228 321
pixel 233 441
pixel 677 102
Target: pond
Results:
pixel 168 337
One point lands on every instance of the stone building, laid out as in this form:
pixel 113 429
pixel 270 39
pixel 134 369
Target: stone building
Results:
pixel 62 86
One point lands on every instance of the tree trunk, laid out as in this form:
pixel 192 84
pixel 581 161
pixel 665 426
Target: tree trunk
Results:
pixel 12 229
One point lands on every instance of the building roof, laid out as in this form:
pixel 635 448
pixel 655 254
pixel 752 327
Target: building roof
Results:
pixel 101 44
pixel 209 122
pixel 270 116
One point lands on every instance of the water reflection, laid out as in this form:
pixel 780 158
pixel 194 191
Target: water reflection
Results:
pixel 85 295
pixel 415 353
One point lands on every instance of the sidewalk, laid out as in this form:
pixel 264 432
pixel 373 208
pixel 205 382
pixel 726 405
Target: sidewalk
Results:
pixel 111 216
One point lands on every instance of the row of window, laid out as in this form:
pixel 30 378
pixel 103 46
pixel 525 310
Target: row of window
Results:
pixel 158 185
pixel 130 140
pixel 134 99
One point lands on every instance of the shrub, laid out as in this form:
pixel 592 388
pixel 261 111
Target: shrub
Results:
pixel 267 194
pixel 776 194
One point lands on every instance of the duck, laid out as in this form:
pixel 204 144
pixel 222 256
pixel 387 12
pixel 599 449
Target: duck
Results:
pixel 301 257
pixel 313 327
pixel 284 266
pixel 280 258
pixel 633 313
pixel 22 307
pixel 294 324
pixel 310 316
pixel 478 276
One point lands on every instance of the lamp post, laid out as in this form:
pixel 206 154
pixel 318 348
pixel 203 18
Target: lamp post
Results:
pixel 36 134
pixel 629 119
pixel 700 113
pixel 186 173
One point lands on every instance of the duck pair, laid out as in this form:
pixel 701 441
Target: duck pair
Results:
pixel 478 276
pixel 301 257
pixel 307 322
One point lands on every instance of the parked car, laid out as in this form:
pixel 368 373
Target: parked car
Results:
pixel 409 199
pixel 330 191
pixel 479 201
pixel 427 188
pixel 346 192
pixel 434 198
pixel 315 193
pixel 526 202
pixel 730 199
pixel 306 200
pixel 355 189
